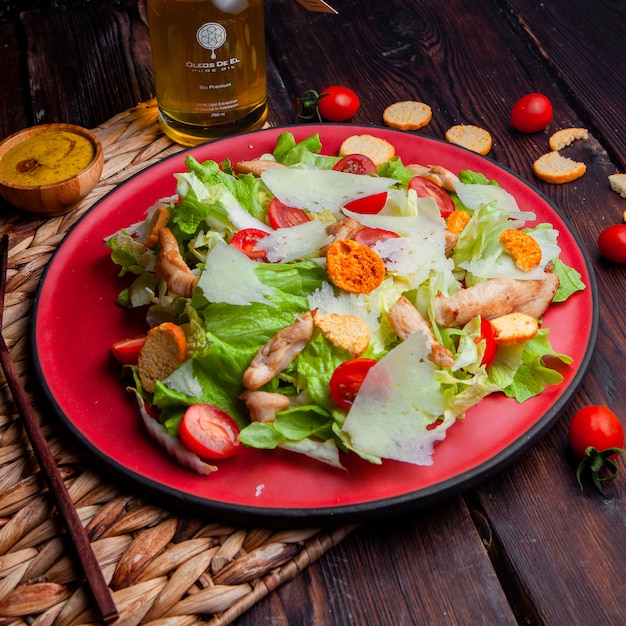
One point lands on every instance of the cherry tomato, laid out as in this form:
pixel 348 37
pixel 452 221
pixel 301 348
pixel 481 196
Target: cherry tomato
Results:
pixel 283 216
pixel 612 243
pixel 371 236
pixel 356 164
pixel 425 188
pixel 209 432
pixel 246 239
pixel 347 380
pixel 127 351
pixel 595 426
pixel 337 103
pixel 531 113
pixel 368 205
pixel 491 347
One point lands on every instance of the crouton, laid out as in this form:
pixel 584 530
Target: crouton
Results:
pixel 522 247
pixel 345 331
pixel 158 220
pixel 164 349
pixel 566 136
pixel 471 137
pixel 407 115
pixel 457 221
pixel 354 267
pixel 379 150
pixel 553 167
pixel 618 184
pixel 256 167
pixel 514 328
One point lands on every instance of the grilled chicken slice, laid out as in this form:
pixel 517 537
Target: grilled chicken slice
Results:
pixel 279 352
pixel 171 267
pixel 496 297
pixel 405 320
pixel 263 405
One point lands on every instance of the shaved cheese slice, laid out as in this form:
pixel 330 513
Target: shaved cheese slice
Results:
pixel 397 402
pixel 229 277
pixel 319 190
pixel 295 242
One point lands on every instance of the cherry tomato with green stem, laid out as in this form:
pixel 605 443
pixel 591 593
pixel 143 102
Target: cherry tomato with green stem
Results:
pixel 337 103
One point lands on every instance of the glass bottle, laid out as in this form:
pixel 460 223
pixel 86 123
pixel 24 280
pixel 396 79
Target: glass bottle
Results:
pixel 209 67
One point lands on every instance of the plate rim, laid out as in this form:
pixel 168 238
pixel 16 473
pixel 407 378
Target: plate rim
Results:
pixel 349 513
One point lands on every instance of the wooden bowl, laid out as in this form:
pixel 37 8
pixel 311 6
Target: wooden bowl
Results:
pixel 51 198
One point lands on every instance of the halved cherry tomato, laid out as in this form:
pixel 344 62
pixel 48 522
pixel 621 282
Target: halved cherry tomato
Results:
pixel 491 347
pixel 283 216
pixel 337 103
pixel 347 380
pixel 246 239
pixel 424 188
pixel 209 432
pixel 531 113
pixel 356 164
pixel 371 236
pixel 368 205
pixel 127 351
pixel 612 243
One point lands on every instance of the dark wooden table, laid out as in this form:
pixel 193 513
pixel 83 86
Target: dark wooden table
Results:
pixel 527 546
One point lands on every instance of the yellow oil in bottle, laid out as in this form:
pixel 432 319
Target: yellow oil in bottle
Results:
pixel 209 67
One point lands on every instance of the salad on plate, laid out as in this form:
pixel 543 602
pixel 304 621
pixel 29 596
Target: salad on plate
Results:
pixel 327 305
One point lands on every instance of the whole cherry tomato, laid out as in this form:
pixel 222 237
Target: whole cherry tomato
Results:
pixel 283 216
pixel 531 113
pixel 356 164
pixel 209 432
pixel 424 188
pixel 337 103
pixel 596 436
pixel 246 239
pixel 347 380
pixel 612 243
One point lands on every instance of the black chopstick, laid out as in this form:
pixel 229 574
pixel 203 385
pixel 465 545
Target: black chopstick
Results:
pixel 99 589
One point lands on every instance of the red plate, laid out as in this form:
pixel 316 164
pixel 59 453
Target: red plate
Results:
pixel 76 322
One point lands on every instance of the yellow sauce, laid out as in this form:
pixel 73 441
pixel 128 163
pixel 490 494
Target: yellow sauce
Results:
pixel 46 158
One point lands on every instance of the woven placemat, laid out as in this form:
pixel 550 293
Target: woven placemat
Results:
pixel 158 564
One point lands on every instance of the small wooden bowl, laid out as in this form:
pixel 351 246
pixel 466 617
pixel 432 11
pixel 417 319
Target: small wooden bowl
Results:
pixel 55 198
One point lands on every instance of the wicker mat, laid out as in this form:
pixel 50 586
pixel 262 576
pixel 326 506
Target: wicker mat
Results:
pixel 158 564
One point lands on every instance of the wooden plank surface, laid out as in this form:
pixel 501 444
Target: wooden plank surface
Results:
pixel 528 546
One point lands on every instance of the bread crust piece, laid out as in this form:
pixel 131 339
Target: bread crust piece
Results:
pixel 164 349
pixel 566 136
pixel 618 184
pixel 471 137
pixel 379 150
pixel 354 267
pixel 514 328
pixel 348 332
pixel 407 115
pixel 554 168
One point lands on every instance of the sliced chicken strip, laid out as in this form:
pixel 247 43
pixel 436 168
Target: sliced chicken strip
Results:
pixel 496 297
pixel 279 352
pixel 436 173
pixel 405 320
pixel 256 167
pixel 344 228
pixel 263 405
pixel 171 267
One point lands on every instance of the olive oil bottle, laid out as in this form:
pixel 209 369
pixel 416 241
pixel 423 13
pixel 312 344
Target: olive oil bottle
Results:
pixel 209 67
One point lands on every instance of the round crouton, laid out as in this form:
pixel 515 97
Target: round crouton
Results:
pixel 618 184
pixel 566 136
pixel 554 168
pixel 164 349
pixel 379 150
pixel 514 328
pixel 354 267
pixel 345 331
pixel 471 137
pixel 458 220
pixel 522 247
pixel 407 115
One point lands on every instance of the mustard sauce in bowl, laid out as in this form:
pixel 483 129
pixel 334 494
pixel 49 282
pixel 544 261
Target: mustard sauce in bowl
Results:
pixel 49 169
